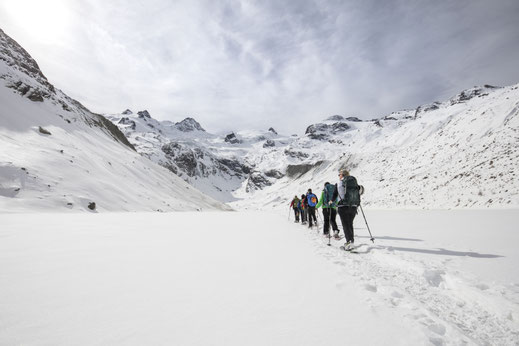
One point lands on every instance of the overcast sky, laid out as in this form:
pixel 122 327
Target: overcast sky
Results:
pixel 254 64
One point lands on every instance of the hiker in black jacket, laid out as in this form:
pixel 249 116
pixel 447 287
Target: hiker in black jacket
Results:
pixel 347 190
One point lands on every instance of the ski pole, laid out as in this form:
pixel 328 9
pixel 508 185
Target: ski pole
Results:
pixel 288 214
pixel 329 225
pixel 372 239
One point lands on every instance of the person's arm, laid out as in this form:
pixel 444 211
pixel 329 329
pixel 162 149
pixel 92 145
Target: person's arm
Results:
pixel 320 203
pixel 335 193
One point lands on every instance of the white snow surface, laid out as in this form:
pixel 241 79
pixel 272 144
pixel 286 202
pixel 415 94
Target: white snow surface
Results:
pixel 56 155
pixel 256 278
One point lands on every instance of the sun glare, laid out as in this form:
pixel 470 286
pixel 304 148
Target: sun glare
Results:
pixel 46 21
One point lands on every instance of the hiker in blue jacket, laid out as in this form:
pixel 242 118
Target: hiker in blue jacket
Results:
pixel 312 201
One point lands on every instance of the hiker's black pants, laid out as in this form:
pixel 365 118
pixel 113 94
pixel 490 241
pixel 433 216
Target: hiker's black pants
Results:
pixel 296 213
pixel 329 215
pixel 311 215
pixel 347 214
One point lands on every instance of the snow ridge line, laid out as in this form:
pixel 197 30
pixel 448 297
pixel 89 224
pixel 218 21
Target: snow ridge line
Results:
pixel 446 317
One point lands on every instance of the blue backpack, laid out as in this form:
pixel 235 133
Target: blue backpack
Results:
pixel 312 200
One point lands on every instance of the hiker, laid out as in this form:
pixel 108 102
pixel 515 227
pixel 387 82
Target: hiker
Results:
pixel 295 206
pixel 304 208
pixel 312 201
pixel 329 209
pixel 347 190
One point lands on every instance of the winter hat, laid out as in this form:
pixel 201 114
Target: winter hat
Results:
pixel 344 172
pixel 327 183
pixel 309 190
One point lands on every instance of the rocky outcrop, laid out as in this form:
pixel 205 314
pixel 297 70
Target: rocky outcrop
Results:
pixel 189 125
pixel 469 94
pixel 144 114
pixel 323 131
pixel 269 143
pixel 231 138
pixel 198 162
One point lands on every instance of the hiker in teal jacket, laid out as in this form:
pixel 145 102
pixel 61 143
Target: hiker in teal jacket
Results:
pixel 329 209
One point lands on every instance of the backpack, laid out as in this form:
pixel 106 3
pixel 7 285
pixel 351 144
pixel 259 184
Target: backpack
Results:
pixel 312 200
pixel 352 192
pixel 328 194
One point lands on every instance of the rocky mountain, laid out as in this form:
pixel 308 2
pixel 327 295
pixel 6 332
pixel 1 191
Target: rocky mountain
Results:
pixel 461 152
pixel 217 165
pixel 57 155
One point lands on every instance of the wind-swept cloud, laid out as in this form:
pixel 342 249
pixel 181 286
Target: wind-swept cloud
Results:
pixel 238 64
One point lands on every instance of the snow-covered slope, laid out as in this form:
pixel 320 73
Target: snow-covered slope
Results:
pixel 459 153
pixel 57 155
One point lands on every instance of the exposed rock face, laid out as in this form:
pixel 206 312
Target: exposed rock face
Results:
pixel 271 129
pixel 44 131
pixel 294 171
pixel 127 121
pixel 198 162
pixel 257 181
pixel 231 138
pixel 17 57
pixel 189 125
pixel 295 154
pixel 144 114
pixel 26 78
pixel 354 119
pixel 322 131
pixel 127 112
pixel 274 173
pixel 469 94
pixel 269 144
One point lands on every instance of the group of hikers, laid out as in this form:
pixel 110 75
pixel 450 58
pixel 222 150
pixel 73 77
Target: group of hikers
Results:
pixel 342 198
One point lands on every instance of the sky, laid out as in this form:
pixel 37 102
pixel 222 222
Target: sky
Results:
pixel 235 65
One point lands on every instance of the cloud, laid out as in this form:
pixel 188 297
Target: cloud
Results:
pixel 241 64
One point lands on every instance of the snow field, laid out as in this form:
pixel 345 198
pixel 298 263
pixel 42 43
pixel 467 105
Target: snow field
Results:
pixel 255 278
pixel 437 272
pixel 190 278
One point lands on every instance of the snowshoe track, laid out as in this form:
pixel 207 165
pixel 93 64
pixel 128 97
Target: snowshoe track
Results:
pixel 427 297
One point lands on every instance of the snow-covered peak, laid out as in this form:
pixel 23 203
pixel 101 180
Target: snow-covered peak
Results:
pixel 189 125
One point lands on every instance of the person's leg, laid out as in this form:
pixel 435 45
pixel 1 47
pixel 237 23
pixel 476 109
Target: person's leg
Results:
pixel 310 216
pixel 353 212
pixel 344 220
pixel 350 215
pixel 333 215
pixel 326 218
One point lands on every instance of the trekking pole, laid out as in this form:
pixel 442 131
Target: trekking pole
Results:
pixel 329 225
pixel 372 239
pixel 288 219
